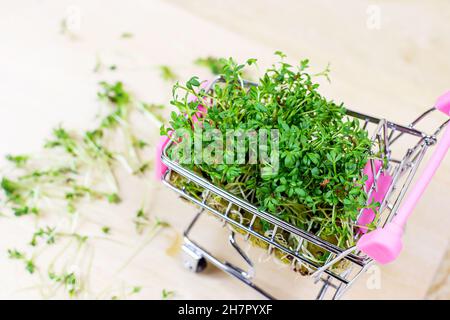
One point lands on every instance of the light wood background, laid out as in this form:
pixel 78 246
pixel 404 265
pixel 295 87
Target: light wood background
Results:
pixel 395 67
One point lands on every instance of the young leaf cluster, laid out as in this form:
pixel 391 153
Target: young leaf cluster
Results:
pixel 318 184
pixel 74 169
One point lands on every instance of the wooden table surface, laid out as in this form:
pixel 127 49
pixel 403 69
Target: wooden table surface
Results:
pixel 394 66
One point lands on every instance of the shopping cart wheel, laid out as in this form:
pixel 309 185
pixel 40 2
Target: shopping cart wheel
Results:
pixel 192 260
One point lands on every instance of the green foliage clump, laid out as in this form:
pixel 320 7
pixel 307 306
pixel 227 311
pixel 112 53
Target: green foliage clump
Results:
pixel 318 182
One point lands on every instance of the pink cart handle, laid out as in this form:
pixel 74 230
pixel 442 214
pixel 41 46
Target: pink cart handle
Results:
pixel 442 104
pixel 385 244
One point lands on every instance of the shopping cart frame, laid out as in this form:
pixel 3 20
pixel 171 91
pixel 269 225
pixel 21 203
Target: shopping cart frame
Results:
pixel 402 169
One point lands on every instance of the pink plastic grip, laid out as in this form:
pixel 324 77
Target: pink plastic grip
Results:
pixel 385 244
pixel 443 103
pixel 160 167
pixel 436 159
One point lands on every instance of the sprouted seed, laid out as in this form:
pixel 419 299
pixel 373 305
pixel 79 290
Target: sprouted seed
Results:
pixel 136 290
pixel 48 234
pixel 14 254
pixel 18 160
pixel 98 64
pixel 127 35
pixel 106 230
pixel 167 73
pixel 66 30
pixel 141 220
pixel 218 65
pixel 167 294
pixel 69 281
pixel 213 64
pixel 76 169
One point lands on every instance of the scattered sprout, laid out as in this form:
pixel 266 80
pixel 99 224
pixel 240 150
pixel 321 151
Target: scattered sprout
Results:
pixel 215 65
pixel 64 29
pixel 167 73
pixel 114 93
pixel 113 198
pixel 81 239
pixel 106 230
pixel 76 168
pixel 47 233
pixel 69 280
pixel 166 294
pixel 126 35
pixel 98 64
pixel 30 266
pixel 141 220
pixel 162 223
pixel 14 254
pixel 18 160
pixel 136 290
pixel 143 169
pixel 153 112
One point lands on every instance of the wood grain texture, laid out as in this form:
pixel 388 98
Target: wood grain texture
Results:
pixel 396 71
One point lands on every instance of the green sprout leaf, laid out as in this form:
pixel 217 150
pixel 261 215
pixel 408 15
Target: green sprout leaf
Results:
pixel 167 73
pixel 166 294
pixel 18 160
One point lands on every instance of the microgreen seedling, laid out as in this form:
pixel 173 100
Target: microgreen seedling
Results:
pixel 167 294
pixel 317 186
pixel 98 64
pixel 73 170
pixel 64 29
pixel 127 35
pixel 106 230
pixel 136 290
pixel 167 73
pixel 113 198
pixel 69 280
pixel 47 233
pixel 18 160
pixel 153 111
pixel 215 65
pixel 141 220
pixel 14 254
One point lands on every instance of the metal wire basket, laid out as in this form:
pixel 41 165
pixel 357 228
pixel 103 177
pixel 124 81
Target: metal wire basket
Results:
pixel 343 265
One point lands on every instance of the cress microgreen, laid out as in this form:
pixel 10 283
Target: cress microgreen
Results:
pixel 215 65
pixel 106 230
pixel 57 186
pixel 14 254
pixel 167 73
pixel 167 294
pixel 127 35
pixel 321 151
pixel 18 160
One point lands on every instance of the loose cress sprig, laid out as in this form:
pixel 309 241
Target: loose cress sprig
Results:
pixel 167 73
pixel 74 169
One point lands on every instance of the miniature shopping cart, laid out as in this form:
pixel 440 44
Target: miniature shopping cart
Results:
pixel 388 180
